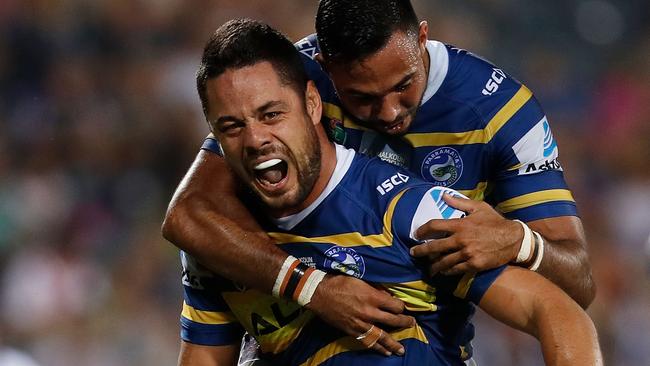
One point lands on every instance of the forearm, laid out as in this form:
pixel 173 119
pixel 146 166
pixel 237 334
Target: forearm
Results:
pixel 566 333
pixel 565 261
pixel 207 220
pixel 526 301
pixel 557 328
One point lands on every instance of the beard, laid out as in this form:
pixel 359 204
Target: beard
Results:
pixel 307 164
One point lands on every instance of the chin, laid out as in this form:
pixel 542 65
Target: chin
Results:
pixel 282 204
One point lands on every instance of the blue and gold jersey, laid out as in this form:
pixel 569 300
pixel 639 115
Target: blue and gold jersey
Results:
pixel 477 130
pixel 361 225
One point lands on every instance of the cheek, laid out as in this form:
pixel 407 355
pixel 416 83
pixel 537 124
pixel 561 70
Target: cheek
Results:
pixel 413 96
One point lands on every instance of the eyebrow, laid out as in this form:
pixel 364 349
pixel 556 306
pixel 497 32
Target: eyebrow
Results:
pixel 261 109
pixel 406 78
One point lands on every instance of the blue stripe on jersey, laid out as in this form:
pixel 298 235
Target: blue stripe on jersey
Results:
pixel 516 185
pixel 212 145
pixel 482 281
pixel 208 299
pixel 210 334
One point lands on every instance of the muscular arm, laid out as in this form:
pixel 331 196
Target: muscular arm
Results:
pixel 197 355
pixel 566 262
pixel 528 302
pixel 485 239
pixel 206 219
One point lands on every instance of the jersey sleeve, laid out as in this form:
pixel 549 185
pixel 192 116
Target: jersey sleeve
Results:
pixel 206 319
pixel 423 203
pixel 528 183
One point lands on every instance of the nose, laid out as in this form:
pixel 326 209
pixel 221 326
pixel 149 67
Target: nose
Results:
pixel 256 137
pixel 389 108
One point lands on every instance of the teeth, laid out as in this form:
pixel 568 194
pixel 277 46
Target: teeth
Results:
pixel 267 164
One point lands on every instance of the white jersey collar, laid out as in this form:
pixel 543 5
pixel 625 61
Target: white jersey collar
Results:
pixel 344 159
pixel 438 66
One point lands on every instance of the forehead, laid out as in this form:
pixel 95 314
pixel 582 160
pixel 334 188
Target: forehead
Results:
pixel 382 69
pixel 245 87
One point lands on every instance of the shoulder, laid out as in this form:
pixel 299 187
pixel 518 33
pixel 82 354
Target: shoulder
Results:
pixel 374 183
pixel 481 85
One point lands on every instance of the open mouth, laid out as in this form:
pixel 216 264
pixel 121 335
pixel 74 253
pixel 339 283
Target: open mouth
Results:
pixel 270 174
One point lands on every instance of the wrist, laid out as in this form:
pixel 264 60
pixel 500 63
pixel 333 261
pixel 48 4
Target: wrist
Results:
pixel 531 248
pixel 297 281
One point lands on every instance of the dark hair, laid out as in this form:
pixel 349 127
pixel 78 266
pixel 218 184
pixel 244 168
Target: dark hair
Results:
pixel 245 42
pixel 350 30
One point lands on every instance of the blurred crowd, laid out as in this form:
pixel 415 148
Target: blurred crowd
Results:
pixel 99 119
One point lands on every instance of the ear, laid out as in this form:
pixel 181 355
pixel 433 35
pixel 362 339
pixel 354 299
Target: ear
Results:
pixel 423 35
pixel 313 102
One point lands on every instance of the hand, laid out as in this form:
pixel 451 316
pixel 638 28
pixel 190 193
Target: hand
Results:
pixel 354 306
pixel 479 241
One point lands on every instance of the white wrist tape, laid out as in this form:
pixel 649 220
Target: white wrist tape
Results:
pixel 284 270
pixel 297 281
pixel 309 288
pixel 527 242
pixel 540 252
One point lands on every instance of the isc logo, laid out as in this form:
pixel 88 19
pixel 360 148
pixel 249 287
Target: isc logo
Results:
pixel 390 183
pixel 493 83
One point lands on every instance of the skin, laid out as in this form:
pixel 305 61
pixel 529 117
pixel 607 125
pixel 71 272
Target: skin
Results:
pixel 256 118
pixel 206 219
pixel 383 91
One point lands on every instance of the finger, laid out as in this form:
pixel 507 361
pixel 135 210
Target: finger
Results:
pixel 387 342
pixel 460 203
pixel 446 262
pixel 434 247
pixel 392 320
pixel 370 339
pixel 463 267
pixel 386 301
pixel 436 228
pixel 379 348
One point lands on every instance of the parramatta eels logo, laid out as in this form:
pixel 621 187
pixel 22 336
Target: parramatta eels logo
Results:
pixel 346 260
pixel 444 165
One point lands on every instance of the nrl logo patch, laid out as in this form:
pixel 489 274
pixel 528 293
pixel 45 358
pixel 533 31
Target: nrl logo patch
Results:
pixel 443 167
pixel 336 131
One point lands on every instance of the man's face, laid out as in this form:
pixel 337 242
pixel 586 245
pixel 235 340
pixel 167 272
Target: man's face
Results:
pixel 267 134
pixel 384 90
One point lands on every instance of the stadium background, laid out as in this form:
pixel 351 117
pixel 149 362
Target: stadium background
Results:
pixel 99 119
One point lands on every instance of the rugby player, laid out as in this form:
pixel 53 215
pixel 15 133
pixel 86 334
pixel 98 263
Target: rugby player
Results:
pixel 443 113
pixel 266 116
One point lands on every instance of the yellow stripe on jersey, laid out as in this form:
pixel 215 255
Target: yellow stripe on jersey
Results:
pixel 207 317
pixel 535 198
pixel 481 136
pixel 464 285
pixel 353 239
pixel 477 193
pixel 332 111
pixel 514 104
pixel 347 344
pixel 417 295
